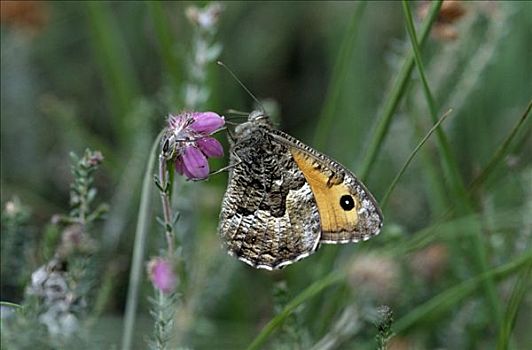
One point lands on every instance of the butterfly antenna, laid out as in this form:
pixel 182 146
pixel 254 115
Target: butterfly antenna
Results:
pixel 236 112
pixel 242 84
pixel 234 115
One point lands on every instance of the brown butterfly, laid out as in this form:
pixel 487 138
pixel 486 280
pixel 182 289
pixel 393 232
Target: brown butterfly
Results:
pixel 285 198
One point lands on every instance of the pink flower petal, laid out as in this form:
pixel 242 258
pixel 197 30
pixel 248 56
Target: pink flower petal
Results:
pixel 210 147
pixel 207 122
pixel 195 164
pixel 162 275
pixel 179 166
pixel 188 174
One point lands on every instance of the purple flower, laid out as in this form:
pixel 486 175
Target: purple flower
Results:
pixel 206 122
pixel 162 275
pixel 188 140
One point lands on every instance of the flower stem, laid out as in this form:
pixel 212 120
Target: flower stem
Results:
pixel 165 199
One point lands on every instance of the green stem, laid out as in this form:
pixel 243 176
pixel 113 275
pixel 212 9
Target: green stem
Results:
pixel 167 209
pixel 522 286
pixel 8 304
pixel 141 232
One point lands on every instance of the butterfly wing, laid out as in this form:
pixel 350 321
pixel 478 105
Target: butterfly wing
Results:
pixel 269 215
pixel 348 212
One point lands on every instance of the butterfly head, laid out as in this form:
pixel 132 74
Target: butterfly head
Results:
pixel 258 117
pixel 255 119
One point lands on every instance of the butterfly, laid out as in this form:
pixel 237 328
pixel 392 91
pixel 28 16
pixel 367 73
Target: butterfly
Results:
pixel 284 198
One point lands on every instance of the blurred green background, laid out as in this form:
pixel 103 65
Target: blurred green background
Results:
pixel 105 75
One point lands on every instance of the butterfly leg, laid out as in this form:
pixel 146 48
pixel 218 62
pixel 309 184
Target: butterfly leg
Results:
pixel 225 168
pixel 230 166
pixel 231 135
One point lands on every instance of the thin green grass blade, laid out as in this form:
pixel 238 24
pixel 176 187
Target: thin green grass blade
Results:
pixel 384 200
pixel 417 57
pixel 141 232
pixel 446 300
pixel 166 43
pixel 9 304
pixel 502 151
pixel 497 157
pixel 338 78
pixel 435 188
pixel 394 97
pixel 448 161
pixel 522 286
pixel 307 294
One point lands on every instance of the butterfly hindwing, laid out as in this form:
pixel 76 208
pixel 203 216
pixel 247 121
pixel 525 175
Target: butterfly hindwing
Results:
pixel 348 212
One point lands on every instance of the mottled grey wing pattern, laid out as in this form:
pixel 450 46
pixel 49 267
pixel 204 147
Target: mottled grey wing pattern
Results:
pixel 269 217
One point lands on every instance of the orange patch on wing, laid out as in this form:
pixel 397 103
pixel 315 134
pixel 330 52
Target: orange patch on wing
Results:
pixel 327 190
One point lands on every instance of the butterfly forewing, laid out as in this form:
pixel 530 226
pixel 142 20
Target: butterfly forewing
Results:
pixel 269 216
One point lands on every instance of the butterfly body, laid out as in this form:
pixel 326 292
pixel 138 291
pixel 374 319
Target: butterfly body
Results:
pixel 285 198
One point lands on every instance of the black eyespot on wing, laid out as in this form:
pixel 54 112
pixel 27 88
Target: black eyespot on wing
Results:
pixel 346 202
